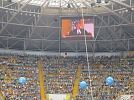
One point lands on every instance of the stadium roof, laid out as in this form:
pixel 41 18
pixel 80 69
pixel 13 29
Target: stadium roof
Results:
pixel 58 3
pixel 31 25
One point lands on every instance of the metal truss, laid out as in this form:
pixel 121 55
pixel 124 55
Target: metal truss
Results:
pixel 15 13
pixel 110 34
pixel 123 4
pixel 124 19
pixel 116 23
pixel 36 21
pixel 109 28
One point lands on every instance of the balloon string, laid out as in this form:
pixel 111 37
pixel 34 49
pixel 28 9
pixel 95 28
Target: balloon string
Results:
pixel 90 84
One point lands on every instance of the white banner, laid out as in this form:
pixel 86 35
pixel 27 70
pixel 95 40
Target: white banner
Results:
pixel 127 97
pixel 58 97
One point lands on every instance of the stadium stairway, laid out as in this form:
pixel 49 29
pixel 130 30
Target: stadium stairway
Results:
pixel 13 59
pixel 76 83
pixel 9 70
pixel 42 91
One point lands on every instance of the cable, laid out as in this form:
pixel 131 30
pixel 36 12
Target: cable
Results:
pixel 87 59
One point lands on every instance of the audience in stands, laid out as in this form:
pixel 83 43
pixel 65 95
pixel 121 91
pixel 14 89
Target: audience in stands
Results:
pixel 12 67
pixel 60 74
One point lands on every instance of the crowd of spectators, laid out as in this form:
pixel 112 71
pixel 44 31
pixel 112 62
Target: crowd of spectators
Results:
pixel 14 66
pixel 59 75
pixel 122 71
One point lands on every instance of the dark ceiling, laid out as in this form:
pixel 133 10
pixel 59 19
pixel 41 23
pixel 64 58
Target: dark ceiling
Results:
pixel 27 26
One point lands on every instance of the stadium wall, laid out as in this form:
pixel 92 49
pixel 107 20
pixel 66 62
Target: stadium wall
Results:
pixel 64 53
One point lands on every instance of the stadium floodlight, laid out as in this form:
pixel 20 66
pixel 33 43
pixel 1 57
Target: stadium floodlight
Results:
pixel 55 19
pixel 68 6
pixel 98 1
pixel 132 8
pixel 9 0
pixel 106 1
pixel 92 4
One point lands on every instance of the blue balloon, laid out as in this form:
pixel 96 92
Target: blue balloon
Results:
pixel 83 84
pixel 22 80
pixel 109 80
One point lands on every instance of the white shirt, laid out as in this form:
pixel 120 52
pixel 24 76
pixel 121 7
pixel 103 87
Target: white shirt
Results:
pixel 78 31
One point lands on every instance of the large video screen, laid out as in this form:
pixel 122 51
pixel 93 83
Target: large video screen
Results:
pixel 76 27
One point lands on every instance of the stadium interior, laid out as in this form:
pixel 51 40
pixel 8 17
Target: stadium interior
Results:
pixel 32 46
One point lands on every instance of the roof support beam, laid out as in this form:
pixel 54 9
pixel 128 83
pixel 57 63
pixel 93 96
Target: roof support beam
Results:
pixel 112 11
pixel 116 46
pixel 76 4
pixel 129 34
pixel 2 16
pixel 35 45
pixel 15 13
pixel 104 46
pixel 121 3
pixel 126 32
pixel 69 46
pixel 110 35
pixel 14 43
pixel 48 46
pixel 112 31
pixel 114 20
pixel 10 4
pixel 7 37
pixel 17 24
pixel 33 27
pixel 109 27
pixel 75 8
pixel 100 20
pixel 128 22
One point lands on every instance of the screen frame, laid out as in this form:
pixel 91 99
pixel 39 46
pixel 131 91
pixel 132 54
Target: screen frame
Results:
pixel 75 17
